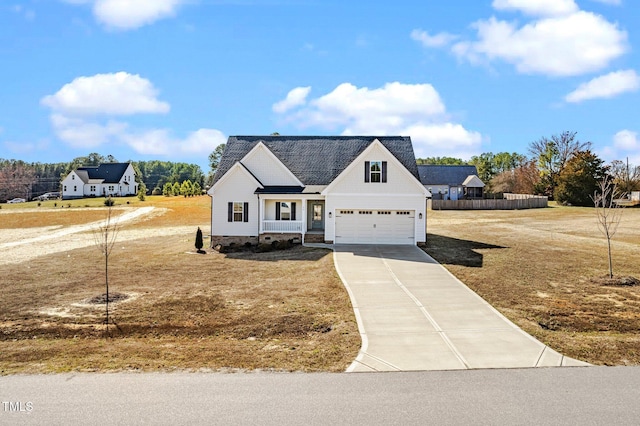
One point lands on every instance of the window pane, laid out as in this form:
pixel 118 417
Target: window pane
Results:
pixel 237 212
pixel 376 166
pixel 285 211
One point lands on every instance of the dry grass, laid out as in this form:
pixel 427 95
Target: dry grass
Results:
pixel 282 310
pixel 541 268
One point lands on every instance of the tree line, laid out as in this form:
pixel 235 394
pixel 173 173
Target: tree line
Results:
pixel 561 167
pixel 20 179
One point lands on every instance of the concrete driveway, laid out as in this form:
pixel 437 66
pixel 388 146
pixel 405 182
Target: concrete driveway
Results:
pixel 414 315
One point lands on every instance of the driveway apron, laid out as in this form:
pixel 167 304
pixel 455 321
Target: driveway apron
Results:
pixel 414 315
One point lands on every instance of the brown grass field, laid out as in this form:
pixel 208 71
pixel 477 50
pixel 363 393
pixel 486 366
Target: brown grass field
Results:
pixel 288 310
pixel 283 310
pixel 541 269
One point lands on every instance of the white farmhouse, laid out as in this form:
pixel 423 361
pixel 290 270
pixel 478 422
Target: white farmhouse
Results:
pixel 105 180
pixel 343 190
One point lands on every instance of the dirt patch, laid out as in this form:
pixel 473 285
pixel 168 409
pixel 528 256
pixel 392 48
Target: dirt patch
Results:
pixel 102 299
pixel 626 281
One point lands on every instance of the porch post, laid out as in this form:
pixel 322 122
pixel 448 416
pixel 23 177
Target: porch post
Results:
pixel 261 227
pixel 303 213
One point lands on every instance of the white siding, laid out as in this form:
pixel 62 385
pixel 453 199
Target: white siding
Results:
pixel 238 186
pixel 416 203
pixel 398 180
pixel 267 168
pixel 402 191
pixel 73 185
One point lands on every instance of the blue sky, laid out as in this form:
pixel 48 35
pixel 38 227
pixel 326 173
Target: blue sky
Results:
pixel 172 79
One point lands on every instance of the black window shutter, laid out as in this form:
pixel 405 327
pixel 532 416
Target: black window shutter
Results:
pixel 293 211
pixel 246 212
pixel 278 210
pixel 230 212
pixel 366 171
pixel 384 171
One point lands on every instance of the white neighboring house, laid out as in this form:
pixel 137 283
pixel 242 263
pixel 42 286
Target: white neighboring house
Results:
pixel 107 179
pixel 343 190
pixel 451 182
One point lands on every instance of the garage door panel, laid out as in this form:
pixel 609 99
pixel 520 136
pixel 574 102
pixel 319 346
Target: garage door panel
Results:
pixel 375 227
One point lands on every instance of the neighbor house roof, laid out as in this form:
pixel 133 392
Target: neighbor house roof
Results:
pixel 315 160
pixel 106 172
pixel 445 175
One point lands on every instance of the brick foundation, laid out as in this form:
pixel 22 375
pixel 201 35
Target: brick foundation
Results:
pixel 273 236
pixel 314 238
pixel 227 240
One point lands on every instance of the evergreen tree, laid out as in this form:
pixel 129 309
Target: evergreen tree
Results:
pixel 580 179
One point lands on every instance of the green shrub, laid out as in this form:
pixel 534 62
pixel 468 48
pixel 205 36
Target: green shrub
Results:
pixel 109 202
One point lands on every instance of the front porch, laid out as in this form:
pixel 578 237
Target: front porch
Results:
pixel 287 216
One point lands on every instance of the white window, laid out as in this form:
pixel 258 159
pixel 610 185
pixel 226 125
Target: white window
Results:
pixel 238 212
pixel 375 171
pixel 285 211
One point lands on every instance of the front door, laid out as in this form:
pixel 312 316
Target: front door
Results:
pixel 317 216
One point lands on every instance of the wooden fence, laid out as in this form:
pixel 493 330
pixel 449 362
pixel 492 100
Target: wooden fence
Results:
pixel 513 202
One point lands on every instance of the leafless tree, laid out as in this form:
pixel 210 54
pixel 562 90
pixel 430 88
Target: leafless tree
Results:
pixel 626 176
pixel 608 212
pixel 553 155
pixel 105 237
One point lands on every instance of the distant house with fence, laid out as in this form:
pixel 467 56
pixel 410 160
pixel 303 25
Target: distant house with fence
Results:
pixel 453 183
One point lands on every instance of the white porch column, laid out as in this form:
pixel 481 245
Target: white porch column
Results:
pixel 261 227
pixel 304 217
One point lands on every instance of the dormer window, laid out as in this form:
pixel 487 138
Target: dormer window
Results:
pixel 375 171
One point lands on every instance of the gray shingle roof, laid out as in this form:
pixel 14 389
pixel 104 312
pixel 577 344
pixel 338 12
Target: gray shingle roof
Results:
pixel 445 175
pixel 316 160
pixel 109 172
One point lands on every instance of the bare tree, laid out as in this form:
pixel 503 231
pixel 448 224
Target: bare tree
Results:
pixel 608 212
pixel 553 155
pixel 105 237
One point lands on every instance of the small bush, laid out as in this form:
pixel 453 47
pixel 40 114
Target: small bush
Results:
pixel 39 203
pixel 109 202
pixel 264 248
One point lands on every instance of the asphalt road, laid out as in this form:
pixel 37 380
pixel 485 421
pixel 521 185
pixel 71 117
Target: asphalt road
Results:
pixel 581 395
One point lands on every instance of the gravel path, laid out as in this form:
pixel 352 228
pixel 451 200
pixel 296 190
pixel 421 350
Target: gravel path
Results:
pixel 21 245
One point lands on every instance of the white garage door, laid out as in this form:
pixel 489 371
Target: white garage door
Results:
pixel 375 226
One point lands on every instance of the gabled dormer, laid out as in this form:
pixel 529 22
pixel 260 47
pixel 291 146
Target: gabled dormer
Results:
pixel 267 168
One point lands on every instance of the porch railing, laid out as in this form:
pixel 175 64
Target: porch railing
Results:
pixel 284 226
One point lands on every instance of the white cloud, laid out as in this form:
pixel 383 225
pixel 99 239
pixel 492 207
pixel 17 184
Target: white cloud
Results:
pixel 574 44
pixel 161 142
pixel 295 98
pixel 128 14
pixel 626 144
pixel 438 40
pixel 538 7
pixel 82 114
pixel 81 133
pixel 609 2
pixel 414 110
pixel 110 94
pixel 627 140
pixel 606 86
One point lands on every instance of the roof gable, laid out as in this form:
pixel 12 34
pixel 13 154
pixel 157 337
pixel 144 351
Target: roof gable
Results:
pixel 316 160
pixel 473 181
pixel 238 167
pixel 267 168
pixel 431 174
pixel 351 179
